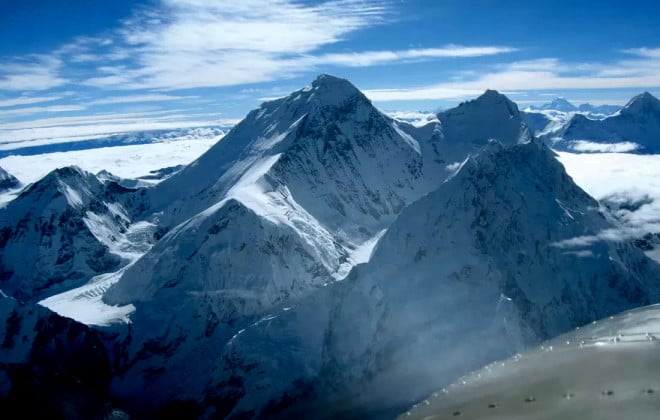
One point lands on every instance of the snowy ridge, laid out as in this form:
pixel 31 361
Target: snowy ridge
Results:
pixel 553 116
pixel 8 181
pixel 305 184
pixel 635 127
pixel 389 321
pixel 364 246
pixel 562 105
pixel 470 126
pixel 69 224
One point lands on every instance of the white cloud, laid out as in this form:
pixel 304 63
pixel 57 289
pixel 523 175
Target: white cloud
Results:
pixel 640 71
pixel 644 52
pixel 193 43
pixel 84 119
pixel 179 44
pixel 125 161
pixel 139 99
pixel 67 134
pixel 39 72
pixel 445 91
pixel 75 128
pixel 592 147
pixel 40 109
pixel 373 58
pixel 628 183
pixel 27 100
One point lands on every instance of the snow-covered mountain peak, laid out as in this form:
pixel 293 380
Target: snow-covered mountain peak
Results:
pixel 492 100
pixel 636 127
pixel 496 162
pixel 561 104
pixel 470 126
pixel 67 225
pixel 75 185
pixel 328 137
pixel 331 90
pixel 8 181
pixel 325 93
pixel 644 103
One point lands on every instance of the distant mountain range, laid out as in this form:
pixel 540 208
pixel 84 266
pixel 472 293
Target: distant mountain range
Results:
pixel 322 260
pixel 120 139
pixel 635 127
pixel 561 104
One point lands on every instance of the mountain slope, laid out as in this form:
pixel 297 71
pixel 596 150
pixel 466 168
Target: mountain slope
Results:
pixel 50 366
pixel 562 105
pixel 303 185
pixel 598 109
pixel 476 270
pixel 559 104
pixel 66 225
pixel 470 126
pixel 636 123
pixel 284 204
pixel 7 181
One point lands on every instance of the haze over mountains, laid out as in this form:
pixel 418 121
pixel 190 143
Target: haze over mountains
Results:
pixel 369 248
pixel 563 105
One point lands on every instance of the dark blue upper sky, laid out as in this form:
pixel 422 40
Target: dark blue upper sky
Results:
pixel 164 61
pixel 38 26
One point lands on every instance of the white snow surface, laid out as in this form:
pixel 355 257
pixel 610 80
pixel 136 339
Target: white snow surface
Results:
pixel 312 186
pixel 629 183
pixel 130 162
pixel 84 304
pixel 638 122
pixel 466 257
pixel 607 369
pixel 289 201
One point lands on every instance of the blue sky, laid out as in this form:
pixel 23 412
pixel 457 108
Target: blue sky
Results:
pixel 84 67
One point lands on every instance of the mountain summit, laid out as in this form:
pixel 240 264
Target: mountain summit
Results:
pixel 66 225
pixel 561 104
pixel 642 104
pixel 492 116
pixel 637 124
pixel 8 181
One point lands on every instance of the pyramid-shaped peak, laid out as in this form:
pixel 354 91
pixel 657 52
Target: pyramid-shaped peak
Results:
pixel 329 81
pixel 647 96
pixel 561 103
pixel 493 97
pixel 65 177
pixel 331 90
pixel 560 100
pixel 644 97
pixel 7 180
pixel 490 101
pixel 66 173
pixel 642 102
pixel 492 94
